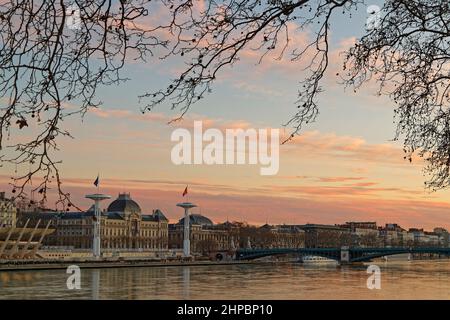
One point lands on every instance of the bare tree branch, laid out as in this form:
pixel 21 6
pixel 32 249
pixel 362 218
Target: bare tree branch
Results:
pixel 47 66
pixel 50 71
pixel 408 55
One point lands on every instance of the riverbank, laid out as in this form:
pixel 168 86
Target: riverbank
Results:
pixel 50 265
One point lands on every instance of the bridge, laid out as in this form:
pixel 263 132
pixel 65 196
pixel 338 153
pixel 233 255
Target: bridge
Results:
pixel 343 254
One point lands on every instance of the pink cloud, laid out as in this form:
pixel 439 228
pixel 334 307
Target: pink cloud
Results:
pixel 275 204
pixel 339 179
pixel 186 122
pixel 313 143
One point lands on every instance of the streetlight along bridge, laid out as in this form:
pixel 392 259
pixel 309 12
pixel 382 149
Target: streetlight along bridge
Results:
pixel 343 254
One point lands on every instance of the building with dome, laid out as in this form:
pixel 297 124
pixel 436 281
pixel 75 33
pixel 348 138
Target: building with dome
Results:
pixel 197 219
pixel 205 236
pixel 122 226
pixel 124 204
pixel 126 229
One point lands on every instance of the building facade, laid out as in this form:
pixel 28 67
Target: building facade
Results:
pixel 443 236
pixel 204 235
pixel 122 226
pixel 207 237
pixel 326 236
pixel 269 236
pixel 8 211
pixel 363 234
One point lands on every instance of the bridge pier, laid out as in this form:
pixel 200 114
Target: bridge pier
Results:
pixel 345 255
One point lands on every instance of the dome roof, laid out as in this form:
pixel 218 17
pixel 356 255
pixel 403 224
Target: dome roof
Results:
pixel 124 204
pixel 197 219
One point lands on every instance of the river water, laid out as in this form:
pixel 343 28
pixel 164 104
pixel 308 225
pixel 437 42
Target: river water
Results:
pixel 399 280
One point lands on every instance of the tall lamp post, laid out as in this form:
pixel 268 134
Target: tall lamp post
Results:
pixel 96 246
pixel 186 236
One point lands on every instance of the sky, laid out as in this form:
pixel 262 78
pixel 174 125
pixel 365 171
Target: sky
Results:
pixel 343 167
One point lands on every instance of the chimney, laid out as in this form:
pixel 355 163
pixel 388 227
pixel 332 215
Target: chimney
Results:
pixel 2 195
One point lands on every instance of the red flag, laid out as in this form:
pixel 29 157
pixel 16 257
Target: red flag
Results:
pixel 185 191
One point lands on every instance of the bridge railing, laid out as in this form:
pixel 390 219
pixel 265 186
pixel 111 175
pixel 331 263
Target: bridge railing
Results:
pixel 355 254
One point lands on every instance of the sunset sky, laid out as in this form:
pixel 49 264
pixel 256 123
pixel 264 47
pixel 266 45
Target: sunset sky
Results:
pixel 343 167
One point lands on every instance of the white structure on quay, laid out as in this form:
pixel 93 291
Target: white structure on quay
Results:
pixel 96 246
pixel 186 239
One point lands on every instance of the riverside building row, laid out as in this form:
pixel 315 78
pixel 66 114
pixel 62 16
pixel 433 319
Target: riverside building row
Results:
pixel 124 227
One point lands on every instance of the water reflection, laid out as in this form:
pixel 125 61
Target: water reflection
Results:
pixel 95 284
pixel 400 280
pixel 186 282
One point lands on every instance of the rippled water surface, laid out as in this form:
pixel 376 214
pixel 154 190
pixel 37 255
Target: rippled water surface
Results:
pixel 399 280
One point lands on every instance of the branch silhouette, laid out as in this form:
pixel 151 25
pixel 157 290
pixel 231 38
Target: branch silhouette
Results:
pixel 50 71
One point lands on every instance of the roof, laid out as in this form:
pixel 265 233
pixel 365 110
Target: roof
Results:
pixel 159 215
pixel 114 215
pixel 41 215
pixel 124 204
pixel 321 226
pixel 197 219
pixel 289 228
pixel 76 215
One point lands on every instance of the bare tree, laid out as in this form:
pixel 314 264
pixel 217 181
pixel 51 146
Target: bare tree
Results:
pixel 406 52
pixel 45 66
pixel 408 55
pixel 54 56
pixel 215 37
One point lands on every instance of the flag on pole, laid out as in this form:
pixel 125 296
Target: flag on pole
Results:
pixel 185 191
pixel 96 182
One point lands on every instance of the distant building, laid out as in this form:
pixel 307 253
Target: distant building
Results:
pixel 393 235
pixel 325 236
pixel 432 238
pixel 291 236
pixel 439 237
pixel 279 236
pixel 207 237
pixel 407 238
pixel 204 235
pixel 363 234
pixel 356 225
pixel 444 236
pixel 8 211
pixel 123 226
pixel 418 235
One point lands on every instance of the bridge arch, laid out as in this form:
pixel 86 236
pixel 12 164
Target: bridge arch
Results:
pixel 369 256
pixel 245 255
pixel 251 254
pixel 355 254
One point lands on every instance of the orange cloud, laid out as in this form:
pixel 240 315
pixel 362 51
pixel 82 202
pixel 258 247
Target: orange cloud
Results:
pixel 339 179
pixel 187 121
pixel 313 143
pixel 275 204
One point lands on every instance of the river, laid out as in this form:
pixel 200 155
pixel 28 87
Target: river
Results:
pixel 399 280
